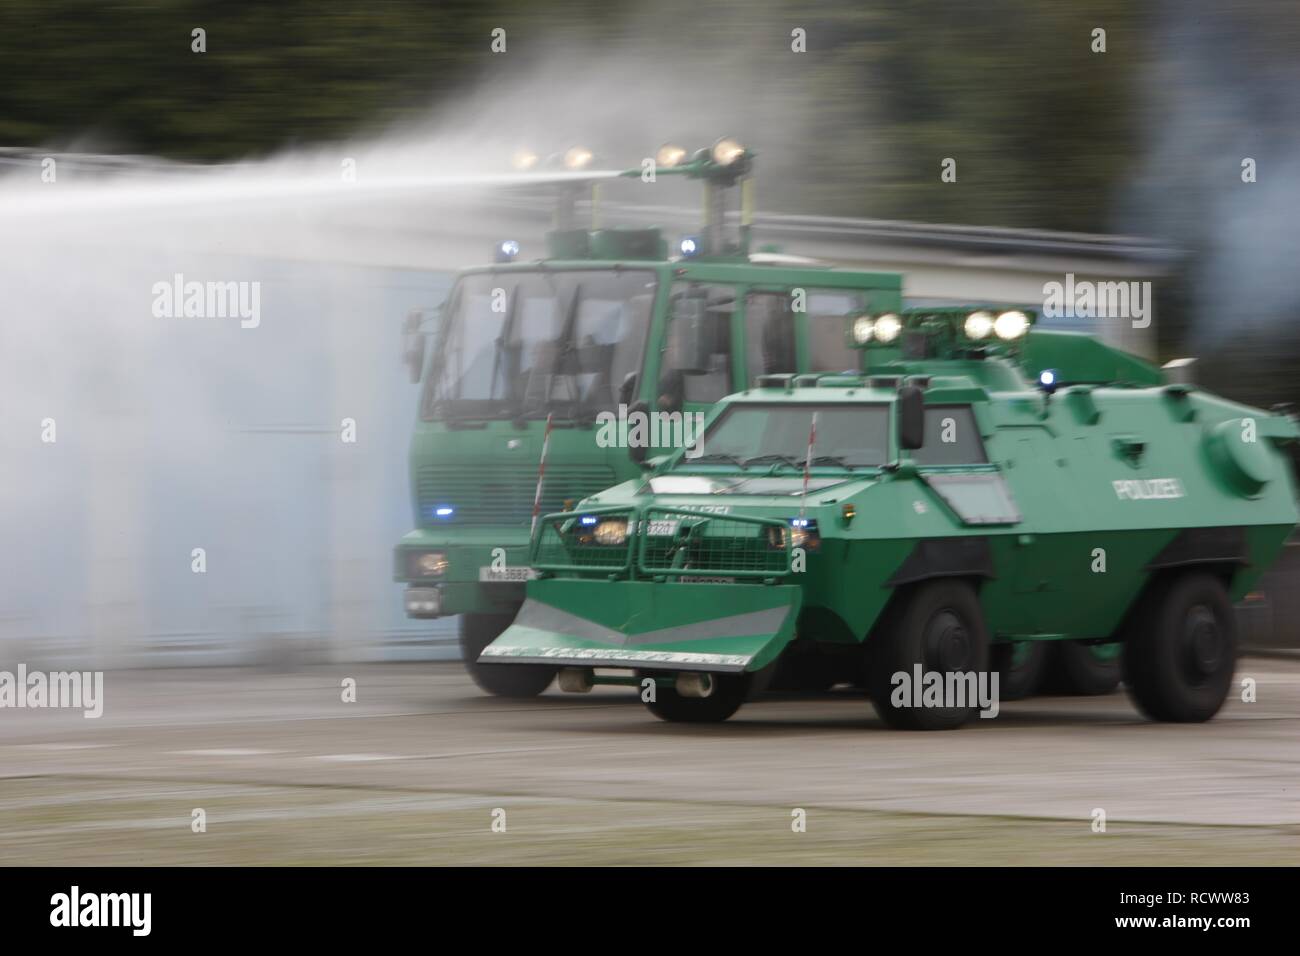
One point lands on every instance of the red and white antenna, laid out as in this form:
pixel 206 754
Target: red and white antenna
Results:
pixel 807 463
pixel 541 474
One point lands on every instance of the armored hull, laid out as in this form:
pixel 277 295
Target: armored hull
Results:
pixel 1065 514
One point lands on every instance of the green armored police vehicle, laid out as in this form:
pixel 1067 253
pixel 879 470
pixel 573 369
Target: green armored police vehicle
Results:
pixel 982 490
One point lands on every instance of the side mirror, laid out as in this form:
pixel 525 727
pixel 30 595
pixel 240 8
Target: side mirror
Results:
pixel 672 391
pixel 911 417
pixel 413 345
pixel 638 452
pixel 689 330
pixel 627 389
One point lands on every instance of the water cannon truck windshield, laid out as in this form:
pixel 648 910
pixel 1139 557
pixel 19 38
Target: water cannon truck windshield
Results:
pixel 776 435
pixel 520 344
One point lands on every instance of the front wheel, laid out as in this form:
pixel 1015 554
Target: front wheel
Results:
pixel 1181 654
pixel 1020 667
pixel 477 631
pixel 935 628
pixel 1084 670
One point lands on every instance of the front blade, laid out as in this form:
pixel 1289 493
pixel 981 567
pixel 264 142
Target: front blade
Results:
pixel 649 625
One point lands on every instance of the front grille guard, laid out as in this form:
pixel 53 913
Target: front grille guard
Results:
pixel 700 544
pixel 666 542
pixel 556 544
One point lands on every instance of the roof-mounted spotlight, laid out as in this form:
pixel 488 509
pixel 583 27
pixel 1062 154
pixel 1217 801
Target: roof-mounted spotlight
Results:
pixel 689 247
pixel 888 327
pixel 578 157
pixel 524 160
pixel 978 325
pixel 863 329
pixel 726 151
pixel 1011 325
pixel 507 250
pixel 669 156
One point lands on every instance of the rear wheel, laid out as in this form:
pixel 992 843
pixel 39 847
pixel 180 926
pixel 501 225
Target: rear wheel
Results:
pixel 1020 667
pixel 938 626
pixel 1181 654
pixel 728 692
pixel 477 631
pixel 1085 670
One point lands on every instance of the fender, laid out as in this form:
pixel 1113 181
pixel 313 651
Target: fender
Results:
pixel 1224 545
pixel 966 556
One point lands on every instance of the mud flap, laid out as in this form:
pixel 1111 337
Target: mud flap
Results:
pixel 727 628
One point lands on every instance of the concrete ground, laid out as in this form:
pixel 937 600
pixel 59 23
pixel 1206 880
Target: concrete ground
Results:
pixel 417 770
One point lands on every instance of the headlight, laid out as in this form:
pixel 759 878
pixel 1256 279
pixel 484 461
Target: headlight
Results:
pixel 800 535
pixel 578 157
pixel 864 328
pixel 979 325
pixel 888 326
pixel 430 564
pixel 524 160
pixel 726 151
pixel 669 156
pixel 1011 325
pixel 611 531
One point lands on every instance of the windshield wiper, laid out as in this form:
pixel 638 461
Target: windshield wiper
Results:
pixel 716 456
pixel 775 459
pixel 833 460
pixel 453 413
pixel 553 362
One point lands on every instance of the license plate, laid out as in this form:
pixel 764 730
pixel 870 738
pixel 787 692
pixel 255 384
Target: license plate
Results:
pixel 661 527
pixel 490 575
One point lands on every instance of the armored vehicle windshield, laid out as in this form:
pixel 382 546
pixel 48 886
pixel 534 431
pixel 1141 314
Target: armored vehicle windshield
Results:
pixel 775 435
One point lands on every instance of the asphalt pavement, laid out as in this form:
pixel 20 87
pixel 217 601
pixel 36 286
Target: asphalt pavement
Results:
pixel 226 766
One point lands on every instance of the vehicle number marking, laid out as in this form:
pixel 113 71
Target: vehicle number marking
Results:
pixel 490 574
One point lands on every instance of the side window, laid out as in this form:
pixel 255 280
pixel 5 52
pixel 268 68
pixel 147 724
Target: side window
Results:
pixel 697 353
pixel 951 437
pixel 828 351
pixel 769 334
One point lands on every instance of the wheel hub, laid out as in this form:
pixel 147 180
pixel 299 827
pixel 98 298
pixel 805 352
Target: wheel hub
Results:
pixel 1204 642
pixel 948 644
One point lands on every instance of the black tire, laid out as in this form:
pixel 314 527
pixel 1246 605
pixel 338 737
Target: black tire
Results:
pixel 729 692
pixel 1182 650
pixel 939 625
pixel 1082 670
pixel 1020 667
pixel 477 631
